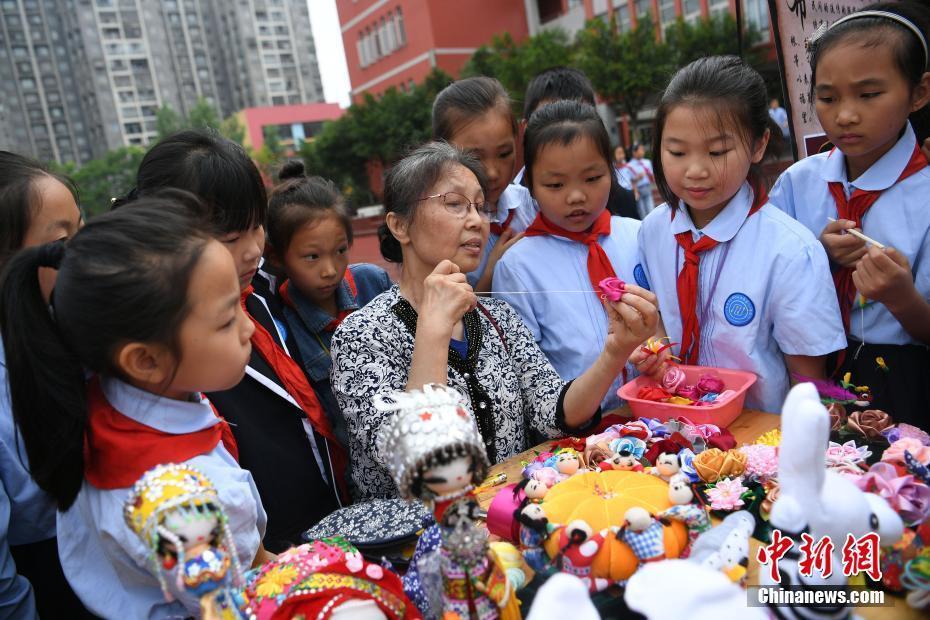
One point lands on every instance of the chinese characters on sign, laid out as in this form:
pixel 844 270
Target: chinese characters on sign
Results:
pixel 794 21
pixel 859 555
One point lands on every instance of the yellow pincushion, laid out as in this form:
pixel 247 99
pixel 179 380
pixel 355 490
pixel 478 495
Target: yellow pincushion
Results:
pixel 601 499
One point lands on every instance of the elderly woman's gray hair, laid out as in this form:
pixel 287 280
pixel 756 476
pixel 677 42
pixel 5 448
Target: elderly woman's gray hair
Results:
pixel 412 177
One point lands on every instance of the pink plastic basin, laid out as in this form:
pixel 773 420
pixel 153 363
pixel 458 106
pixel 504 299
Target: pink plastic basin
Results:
pixel 720 414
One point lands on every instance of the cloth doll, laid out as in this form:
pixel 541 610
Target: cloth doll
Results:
pixel 579 546
pixel 644 535
pixel 693 515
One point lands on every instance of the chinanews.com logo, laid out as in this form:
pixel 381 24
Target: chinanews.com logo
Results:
pixel 813 564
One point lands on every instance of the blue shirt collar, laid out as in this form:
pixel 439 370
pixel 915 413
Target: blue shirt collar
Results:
pixel 177 417
pixel 727 223
pixel 882 174
pixel 314 317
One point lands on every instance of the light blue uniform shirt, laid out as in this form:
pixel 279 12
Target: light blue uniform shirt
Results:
pixel 33 511
pixel 17 600
pixel 571 328
pixel 900 218
pixel 643 167
pixel 105 562
pixel 516 199
pixel 764 291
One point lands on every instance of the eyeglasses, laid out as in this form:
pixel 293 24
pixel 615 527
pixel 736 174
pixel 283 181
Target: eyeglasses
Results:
pixel 458 205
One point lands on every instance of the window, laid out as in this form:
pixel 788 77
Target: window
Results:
pixel 623 18
pixel 27 83
pixel 718 6
pixel 401 33
pixel 643 7
pixel 691 8
pixel 360 50
pixel 667 11
pixel 132 127
pixel 757 16
pixel 379 49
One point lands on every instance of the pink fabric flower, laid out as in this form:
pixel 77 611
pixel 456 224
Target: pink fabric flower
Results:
pixel 761 461
pixel 906 430
pixel 689 391
pixel 726 494
pixel 674 378
pixel 908 497
pixel 837 416
pixel 612 288
pixel 895 452
pixel 710 383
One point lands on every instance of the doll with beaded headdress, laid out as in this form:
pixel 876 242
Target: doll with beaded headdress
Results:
pixel 175 511
pixel 435 454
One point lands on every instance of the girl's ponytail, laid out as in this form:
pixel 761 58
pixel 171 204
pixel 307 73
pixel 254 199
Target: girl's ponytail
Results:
pixel 46 379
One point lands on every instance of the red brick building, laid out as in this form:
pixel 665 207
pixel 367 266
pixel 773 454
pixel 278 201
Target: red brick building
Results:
pixel 397 42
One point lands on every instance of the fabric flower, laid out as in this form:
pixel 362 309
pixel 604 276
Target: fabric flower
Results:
pixel 687 465
pixel 848 452
pixel 673 445
pixel 673 379
pixel 869 423
pixel 894 454
pixel 906 430
pixel 714 464
pixel 726 494
pixel 680 400
pixel 908 497
pixel 761 461
pixel 724 440
pixel 636 428
pixel 710 383
pixel 612 288
pixel 689 391
pixel 837 416
pixel 637 447
pixel 770 438
pixel 772 490
pixel 651 392
pixel 275 580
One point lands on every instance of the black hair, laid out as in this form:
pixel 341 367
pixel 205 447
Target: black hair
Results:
pixel 410 179
pixel 728 87
pixel 122 278
pixel 19 200
pixel 465 100
pixel 880 31
pixel 563 122
pixel 556 84
pixel 213 168
pixel 299 199
pixel 446 455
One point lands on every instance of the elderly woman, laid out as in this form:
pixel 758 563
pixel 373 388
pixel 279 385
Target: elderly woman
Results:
pixel 432 328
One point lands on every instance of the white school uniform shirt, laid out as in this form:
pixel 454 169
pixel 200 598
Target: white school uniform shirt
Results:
pixel 517 199
pixel 642 166
pixel 765 290
pixel 105 562
pixel 900 218
pixel 571 328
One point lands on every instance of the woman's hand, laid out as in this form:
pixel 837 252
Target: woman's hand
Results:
pixel 446 297
pixel 842 248
pixel 631 321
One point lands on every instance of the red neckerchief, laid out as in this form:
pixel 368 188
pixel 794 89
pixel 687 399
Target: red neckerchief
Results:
pixel 646 169
pixel 855 209
pixel 285 291
pixel 298 386
pixel 499 229
pixel 118 450
pixel 599 266
pixel 687 284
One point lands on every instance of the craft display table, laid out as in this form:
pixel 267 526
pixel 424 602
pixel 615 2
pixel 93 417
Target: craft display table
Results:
pixel 746 428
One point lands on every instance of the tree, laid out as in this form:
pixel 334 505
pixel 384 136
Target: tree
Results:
pixel 100 180
pixel 515 64
pixel 232 129
pixel 167 121
pixel 626 69
pixel 710 36
pixel 203 115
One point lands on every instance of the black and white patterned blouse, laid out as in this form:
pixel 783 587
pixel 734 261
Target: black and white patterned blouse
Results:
pixel 372 351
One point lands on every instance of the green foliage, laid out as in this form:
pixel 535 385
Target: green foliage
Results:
pixel 626 69
pixel 167 121
pixel 709 36
pixel 515 64
pixel 102 179
pixel 232 129
pixel 377 130
pixel 203 116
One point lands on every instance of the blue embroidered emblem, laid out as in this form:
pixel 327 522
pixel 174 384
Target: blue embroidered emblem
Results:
pixel 639 274
pixel 739 310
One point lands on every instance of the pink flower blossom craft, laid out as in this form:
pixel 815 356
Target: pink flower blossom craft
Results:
pixel 674 378
pixel 761 461
pixel 906 430
pixel 726 494
pixel 847 452
pixel 612 289
pixel 908 497
pixel 895 452
pixel 710 384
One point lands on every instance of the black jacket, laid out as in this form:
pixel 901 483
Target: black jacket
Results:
pixel 274 441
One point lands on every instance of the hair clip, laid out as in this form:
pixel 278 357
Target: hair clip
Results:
pixel 812 39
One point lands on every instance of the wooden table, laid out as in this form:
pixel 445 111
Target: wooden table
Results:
pixel 746 428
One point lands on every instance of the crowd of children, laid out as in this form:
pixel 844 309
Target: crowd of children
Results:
pixel 194 322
